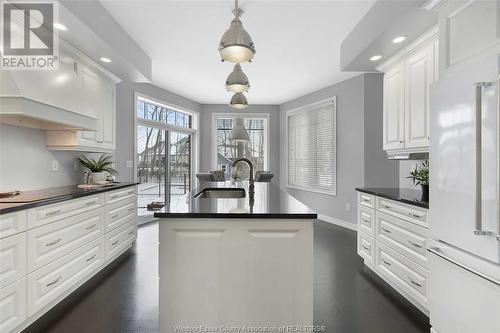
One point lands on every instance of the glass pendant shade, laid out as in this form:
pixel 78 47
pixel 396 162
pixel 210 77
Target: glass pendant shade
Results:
pixel 237 81
pixel 239 101
pixel 239 132
pixel 236 45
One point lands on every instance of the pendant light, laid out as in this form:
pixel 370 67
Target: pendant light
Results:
pixel 237 81
pixel 239 101
pixel 236 45
pixel 239 132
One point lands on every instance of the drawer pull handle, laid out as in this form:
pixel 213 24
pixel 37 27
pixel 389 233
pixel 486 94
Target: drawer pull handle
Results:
pixel 131 209
pixel 54 242
pixel 386 230
pixel 114 196
pixel 115 216
pixel 131 232
pixel 386 262
pixel 90 203
pixel 54 282
pixel 367 248
pixel 52 213
pixel 415 283
pixel 415 215
pixel 91 258
pixel 366 199
pixel 114 243
pixel 386 206
pixel 91 226
pixel 130 192
pixel 415 244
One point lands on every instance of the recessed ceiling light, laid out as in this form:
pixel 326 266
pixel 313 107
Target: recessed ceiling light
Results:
pixel 399 39
pixel 104 59
pixel 376 57
pixel 60 26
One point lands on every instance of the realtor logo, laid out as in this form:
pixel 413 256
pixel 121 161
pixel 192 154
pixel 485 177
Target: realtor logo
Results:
pixel 28 39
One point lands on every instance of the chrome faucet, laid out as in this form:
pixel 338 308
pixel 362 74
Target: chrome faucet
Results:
pixel 251 187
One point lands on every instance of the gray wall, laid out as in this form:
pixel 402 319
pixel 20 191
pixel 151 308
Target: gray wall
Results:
pixel 26 163
pixel 206 133
pixel 359 144
pixel 125 115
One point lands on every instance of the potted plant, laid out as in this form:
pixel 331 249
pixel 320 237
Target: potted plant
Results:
pixel 421 177
pixel 97 168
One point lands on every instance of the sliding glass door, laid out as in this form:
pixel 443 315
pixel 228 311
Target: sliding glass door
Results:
pixel 164 157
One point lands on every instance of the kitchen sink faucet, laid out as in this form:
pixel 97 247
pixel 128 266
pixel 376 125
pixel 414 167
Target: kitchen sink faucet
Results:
pixel 251 187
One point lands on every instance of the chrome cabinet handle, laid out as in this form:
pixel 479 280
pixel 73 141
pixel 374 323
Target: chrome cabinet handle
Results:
pixel 367 248
pixel 114 196
pixel 54 242
pixel 386 206
pixel 478 220
pixel 90 203
pixel 386 262
pixel 131 232
pixel 131 209
pixel 91 226
pixel 366 199
pixel 52 213
pixel 498 166
pixel 415 244
pixel 115 216
pixel 414 215
pixel 386 230
pixel 91 258
pixel 415 283
pixel 54 282
pixel 114 243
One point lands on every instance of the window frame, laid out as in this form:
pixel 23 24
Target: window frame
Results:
pixel 305 109
pixel 224 115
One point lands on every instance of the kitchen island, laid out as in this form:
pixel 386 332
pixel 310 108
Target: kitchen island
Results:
pixel 236 262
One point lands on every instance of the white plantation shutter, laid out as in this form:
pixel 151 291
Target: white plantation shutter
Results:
pixel 312 148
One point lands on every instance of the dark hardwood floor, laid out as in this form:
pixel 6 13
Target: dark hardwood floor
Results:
pixel 348 296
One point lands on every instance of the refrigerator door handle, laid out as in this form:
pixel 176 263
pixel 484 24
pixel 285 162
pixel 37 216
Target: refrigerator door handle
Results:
pixel 478 223
pixel 498 158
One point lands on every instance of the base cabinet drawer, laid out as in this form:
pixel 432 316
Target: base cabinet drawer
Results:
pixel 12 259
pixel 406 238
pixel 118 195
pixel 54 240
pixel 48 283
pixel 120 238
pixel 51 213
pixel 12 305
pixel 406 212
pixel 366 248
pixel 12 223
pixel 366 200
pixel 120 213
pixel 366 220
pixel 403 274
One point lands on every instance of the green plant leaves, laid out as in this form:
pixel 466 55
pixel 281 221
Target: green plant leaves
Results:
pixel 104 163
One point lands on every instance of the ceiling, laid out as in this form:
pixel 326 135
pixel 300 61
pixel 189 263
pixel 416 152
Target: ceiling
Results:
pixel 297 42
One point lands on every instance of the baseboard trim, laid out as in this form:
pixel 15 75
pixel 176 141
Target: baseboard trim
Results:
pixel 338 222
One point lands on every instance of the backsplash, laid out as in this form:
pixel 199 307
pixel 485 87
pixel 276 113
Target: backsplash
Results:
pixel 26 163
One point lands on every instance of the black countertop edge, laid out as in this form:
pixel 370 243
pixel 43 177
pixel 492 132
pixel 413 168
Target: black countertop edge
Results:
pixel 292 216
pixel 407 196
pixel 10 207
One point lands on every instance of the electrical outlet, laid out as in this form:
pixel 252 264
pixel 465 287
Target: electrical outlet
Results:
pixel 130 164
pixel 55 165
pixel 347 207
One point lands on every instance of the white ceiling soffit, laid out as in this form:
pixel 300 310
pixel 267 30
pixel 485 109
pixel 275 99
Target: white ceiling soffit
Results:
pixel 373 35
pixel 297 43
pixel 96 34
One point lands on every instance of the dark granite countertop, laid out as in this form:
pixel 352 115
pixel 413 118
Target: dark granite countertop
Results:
pixel 407 196
pixel 30 199
pixel 271 202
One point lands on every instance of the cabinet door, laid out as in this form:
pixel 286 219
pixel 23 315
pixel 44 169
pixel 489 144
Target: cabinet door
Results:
pixel 89 86
pixel 107 114
pixel 394 108
pixel 419 74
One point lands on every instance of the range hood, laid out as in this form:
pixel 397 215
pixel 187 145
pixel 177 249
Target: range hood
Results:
pixel 402 155
pixel 21 111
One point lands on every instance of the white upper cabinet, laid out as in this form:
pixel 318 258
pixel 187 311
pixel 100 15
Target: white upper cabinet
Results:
pixel 394 108
pixel 407 79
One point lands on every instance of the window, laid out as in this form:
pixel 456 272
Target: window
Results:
pixel 255 150
pixel 164 155
pixel 312 148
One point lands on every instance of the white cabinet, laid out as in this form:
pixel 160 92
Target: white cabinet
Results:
pixel 394 108
pixel 12 259
pixel 407 79
pixel 12 305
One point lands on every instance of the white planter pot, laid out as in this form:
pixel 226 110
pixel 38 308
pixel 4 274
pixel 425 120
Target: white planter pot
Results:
pixel 97 177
